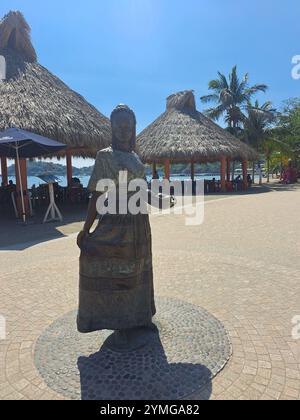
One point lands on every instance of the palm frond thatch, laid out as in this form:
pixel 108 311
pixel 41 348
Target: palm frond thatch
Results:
pixel 183 134
pixel 32 98
pixel 15 34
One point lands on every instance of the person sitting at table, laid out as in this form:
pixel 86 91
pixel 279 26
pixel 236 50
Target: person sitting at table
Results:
pixel 76 183
pixel 34 193
pixel 238 183
pixel 249 180
pixel 155 175
pixel 213 185
pixel 11 186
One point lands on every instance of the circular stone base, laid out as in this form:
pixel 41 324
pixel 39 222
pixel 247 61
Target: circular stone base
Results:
pixel 189 349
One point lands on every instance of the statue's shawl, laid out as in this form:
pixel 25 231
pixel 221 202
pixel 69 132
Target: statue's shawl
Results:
pixel 109 163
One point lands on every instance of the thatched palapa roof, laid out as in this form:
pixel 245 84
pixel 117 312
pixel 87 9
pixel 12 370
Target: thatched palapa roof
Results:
pixel 182 134
pixel 34 99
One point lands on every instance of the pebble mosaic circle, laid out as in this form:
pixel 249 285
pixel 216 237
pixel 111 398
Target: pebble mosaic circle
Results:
pixel 192 347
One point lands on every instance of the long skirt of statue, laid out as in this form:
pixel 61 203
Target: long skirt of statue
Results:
pixel 116 276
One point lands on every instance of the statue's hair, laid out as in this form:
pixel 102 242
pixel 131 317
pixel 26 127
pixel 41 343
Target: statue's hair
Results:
pixel 124 109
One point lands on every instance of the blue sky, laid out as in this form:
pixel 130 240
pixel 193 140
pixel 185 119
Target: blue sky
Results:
pixel 140 51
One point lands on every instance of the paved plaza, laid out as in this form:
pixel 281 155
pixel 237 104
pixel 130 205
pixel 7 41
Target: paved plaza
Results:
pixel 242 266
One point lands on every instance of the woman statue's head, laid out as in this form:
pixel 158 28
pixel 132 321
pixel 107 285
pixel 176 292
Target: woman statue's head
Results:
pixel 123 123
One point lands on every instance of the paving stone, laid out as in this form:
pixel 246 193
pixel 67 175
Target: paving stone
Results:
pixel 251 287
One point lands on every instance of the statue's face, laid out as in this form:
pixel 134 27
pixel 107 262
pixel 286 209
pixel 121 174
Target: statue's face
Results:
pixel 123 127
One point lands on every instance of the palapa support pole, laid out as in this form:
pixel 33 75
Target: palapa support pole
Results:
pixel 228 170
pixel 233 170
pixel 245 174
pixel 223 174
pixel 69 167
pixel 268 170
pixel 21 183
pixel 167 169
pixel 4 171
pixel 154 169
pixel 253 172
pixel 193 170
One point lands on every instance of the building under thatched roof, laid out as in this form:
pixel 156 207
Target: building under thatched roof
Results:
pixel 34 99
pixel 182 134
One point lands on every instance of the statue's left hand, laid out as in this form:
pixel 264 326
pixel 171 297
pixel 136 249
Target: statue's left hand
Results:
pixel 80 238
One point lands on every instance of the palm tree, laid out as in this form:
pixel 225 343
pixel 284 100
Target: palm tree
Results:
pixel 231 98
pixel 274 149
pixel 257 128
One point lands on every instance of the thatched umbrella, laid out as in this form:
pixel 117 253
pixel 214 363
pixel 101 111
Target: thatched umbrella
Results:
pixel 34 99
pixel 182 134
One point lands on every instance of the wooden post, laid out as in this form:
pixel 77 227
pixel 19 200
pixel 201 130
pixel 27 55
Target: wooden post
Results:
pixel 245 174
pixel 233 170
pixel 193 170
pixel 154 169
pixel 228 170
pixel 223 174
pixel 23 176
pixel 167 169
pixel 69 167
pixel 4 171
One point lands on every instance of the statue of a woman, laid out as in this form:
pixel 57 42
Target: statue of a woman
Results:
pixel 116 276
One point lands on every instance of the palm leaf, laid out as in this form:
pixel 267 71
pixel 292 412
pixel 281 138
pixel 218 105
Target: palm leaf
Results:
pixel 210 98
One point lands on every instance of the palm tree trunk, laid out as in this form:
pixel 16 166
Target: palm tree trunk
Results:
pixel 268 169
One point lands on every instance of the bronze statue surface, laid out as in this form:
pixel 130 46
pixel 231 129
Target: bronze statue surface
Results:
pixel 116 275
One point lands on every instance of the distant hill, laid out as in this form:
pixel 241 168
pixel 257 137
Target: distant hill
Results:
pixel 38 168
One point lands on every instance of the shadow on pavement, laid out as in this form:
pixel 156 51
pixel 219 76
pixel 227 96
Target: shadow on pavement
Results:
pixel 16 236
pixel 283 187
pixel 144 374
